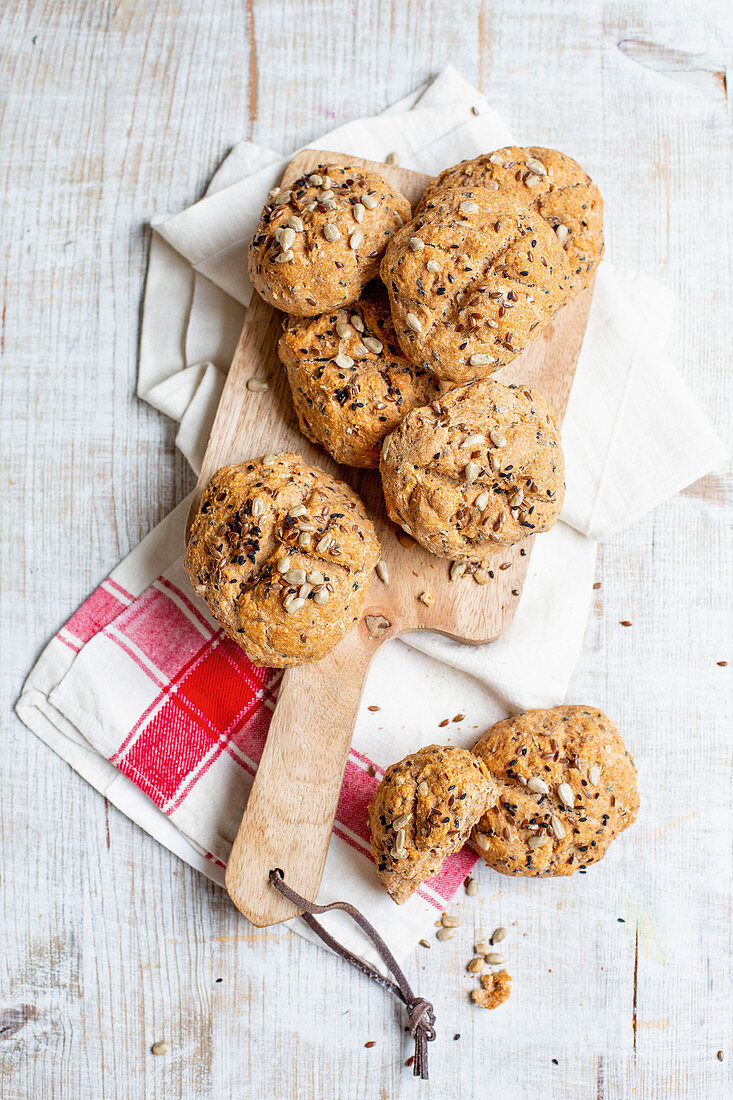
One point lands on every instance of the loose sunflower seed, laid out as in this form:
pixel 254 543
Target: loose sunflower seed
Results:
pixel 537 785
pixel 356 240
pixel 450 922
pixel 457 570
pixel 369 201
pixel 416 244
pixel 472 887
pixel 331 232
pixel 594 774
pixel 358 210
pixel 392 158
pixel 446 933
pixel 497 438
pixel 373 344
pixel 471 472
pixel 433 267
pixel 413 322
pixel 495 958
pixel 566 795
pixel 469 207
pixel 499 934
pixel 382 571
pixel 476 965
pixel 257 384
pixel 557 827
pixel 481 947
pixel 343 360
pixel 161 1047
pixel 481 576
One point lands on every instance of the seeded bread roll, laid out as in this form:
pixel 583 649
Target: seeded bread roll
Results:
pixel 351 384
pixel 567 788
pixel 423 811
pixel 480 468
pixel 282 554
pixel 550 183
pixel 319 242
pixel 471 281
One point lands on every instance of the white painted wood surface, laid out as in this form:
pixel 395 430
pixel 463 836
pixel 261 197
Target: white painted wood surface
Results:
pixel 115 110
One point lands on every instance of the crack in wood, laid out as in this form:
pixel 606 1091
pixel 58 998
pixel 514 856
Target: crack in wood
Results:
pixel 689 68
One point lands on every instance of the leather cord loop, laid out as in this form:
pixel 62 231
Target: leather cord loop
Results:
pixel 421 1014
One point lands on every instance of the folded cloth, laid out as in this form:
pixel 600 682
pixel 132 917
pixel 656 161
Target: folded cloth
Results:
pixel 144 697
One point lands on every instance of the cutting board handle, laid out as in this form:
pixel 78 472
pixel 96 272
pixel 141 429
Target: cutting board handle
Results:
pixel 290 811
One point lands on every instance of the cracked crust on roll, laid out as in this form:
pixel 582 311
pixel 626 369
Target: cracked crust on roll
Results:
pixel 479 469
pixel 471 280
pixel 319 242
pixel 548 182
pixel 350 382
pixel 423 811
pixel 567 788
pixel 282 554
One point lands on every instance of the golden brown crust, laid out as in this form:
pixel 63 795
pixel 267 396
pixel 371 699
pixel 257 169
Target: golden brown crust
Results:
pixel 568 787
pixel 479 469
pixel 471 281
pixel 423 811
pixel 244 534
pixel 319 242
pixel 550 183
pixel 350 382
pixel 496 990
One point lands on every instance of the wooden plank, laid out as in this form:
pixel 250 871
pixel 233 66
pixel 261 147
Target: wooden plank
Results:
pixel 114 111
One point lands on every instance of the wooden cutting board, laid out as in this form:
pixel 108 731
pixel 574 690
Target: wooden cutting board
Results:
pixel 289 815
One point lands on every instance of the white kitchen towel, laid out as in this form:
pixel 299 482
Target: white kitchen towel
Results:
pixel 621 462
